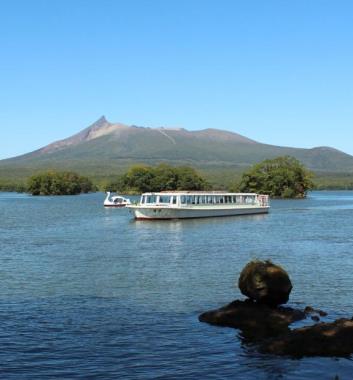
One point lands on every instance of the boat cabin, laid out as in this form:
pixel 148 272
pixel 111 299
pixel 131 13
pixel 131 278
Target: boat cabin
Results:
pixel 198 198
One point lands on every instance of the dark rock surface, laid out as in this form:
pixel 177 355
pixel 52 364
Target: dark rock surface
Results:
pixel 322 339
pixel 265 282
pixel 268 327
pixel 256 321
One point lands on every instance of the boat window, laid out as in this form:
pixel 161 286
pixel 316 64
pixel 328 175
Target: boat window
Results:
pixel 143 198
pixel 183 199
pixel 250 199
pixel 164 199
pixel 174 200
pixel 151 199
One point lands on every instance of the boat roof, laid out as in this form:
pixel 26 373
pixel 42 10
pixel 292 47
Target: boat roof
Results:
pixel 187 192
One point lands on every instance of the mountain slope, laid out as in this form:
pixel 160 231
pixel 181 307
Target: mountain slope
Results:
pixel 106 148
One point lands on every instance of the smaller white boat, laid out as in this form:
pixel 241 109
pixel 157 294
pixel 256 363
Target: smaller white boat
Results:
pixel 115 200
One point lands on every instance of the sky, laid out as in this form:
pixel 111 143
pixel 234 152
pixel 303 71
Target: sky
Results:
pixel 279 72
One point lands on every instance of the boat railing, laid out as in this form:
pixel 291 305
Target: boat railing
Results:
pixel 263 200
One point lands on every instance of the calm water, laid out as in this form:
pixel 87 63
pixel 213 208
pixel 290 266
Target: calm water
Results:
pixel 88 293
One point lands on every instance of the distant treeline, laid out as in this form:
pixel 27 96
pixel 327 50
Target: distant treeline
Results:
pixel 333 186
pixel 334 181
pixel 18 187
pixel 281 177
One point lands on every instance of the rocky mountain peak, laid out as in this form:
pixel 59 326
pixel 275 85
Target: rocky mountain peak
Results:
pixel 101 122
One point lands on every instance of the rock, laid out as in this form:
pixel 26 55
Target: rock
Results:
pixel 265 282
pixel 309 310
pixel 263 322
pixel 256 320
pixel 315 313
pixel 323 339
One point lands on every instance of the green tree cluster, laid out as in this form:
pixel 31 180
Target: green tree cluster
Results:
pixel 281 177
pixel 58 183
pixel 142 178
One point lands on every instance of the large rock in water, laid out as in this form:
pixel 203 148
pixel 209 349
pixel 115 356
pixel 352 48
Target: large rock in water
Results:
pixel 265 283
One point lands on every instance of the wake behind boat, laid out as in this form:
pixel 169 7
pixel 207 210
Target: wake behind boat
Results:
pixel 116 200
pixel 198 204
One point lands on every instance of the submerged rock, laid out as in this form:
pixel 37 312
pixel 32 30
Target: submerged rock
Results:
pixel 265 282
pixel 322 339
pixel 256 321
pixel 311 310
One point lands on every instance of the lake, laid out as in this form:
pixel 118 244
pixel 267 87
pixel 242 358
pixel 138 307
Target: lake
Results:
pixel 89 293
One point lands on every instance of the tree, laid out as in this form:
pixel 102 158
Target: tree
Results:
pixel 58 183
pixel 281 177
pixel 188 179
pixel 142 178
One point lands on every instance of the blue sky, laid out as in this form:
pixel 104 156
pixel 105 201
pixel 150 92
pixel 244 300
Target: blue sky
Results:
pixel 279 72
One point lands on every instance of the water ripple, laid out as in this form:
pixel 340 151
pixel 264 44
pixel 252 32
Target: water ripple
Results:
pixel 88 293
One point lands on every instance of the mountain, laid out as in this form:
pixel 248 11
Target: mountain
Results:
pixel 106 148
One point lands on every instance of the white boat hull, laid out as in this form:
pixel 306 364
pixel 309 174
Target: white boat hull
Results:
pixel 158 213
pixel 112 204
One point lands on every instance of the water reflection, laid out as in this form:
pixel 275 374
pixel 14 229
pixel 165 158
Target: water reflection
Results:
pixel 271 367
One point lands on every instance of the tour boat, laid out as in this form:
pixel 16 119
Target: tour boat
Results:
pixel 116 201
pixel 198 204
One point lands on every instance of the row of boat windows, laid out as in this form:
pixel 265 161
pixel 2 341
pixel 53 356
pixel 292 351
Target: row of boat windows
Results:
pixel 198 199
